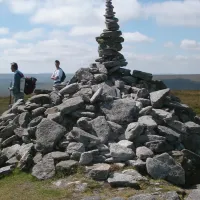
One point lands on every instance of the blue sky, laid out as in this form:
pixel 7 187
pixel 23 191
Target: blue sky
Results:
pixel 161 36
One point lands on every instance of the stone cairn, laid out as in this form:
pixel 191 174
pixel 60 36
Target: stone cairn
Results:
pixel 110 42
pixel 106 116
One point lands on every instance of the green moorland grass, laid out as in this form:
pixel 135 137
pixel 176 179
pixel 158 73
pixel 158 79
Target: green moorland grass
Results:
pixel 4 103
pixel 189 97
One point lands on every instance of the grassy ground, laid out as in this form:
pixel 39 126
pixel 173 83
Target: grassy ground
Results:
pixel 4 103
pixel 22 186
pixel 190 97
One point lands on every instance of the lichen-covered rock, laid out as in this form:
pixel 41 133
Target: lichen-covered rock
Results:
pixel 99 172
pixel 122 180
pixel 67 166
pixel 122 111
pixel 121 153
pixel 134 130
pixel 143 153
pixel 48 134
pixel 101 128
pixel 164 167
pixel 70 105
pixel 45 168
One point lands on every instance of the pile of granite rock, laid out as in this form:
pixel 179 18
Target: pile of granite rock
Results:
pixel 105 119
pixel 98 125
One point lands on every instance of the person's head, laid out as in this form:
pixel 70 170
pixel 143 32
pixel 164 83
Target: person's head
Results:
pixel 57 63
pixel 14 67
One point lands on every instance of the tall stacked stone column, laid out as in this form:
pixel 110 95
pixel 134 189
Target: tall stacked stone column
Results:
pixel 110 42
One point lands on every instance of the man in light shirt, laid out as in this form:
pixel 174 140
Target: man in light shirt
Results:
pixel 58 73
pixel 17 87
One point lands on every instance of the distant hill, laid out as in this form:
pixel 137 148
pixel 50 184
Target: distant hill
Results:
pixel 175 82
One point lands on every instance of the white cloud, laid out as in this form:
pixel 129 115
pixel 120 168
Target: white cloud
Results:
pixel 136 37
pixel 89 12
pixel 5 42
pixel 175 13
pixel 85 31
pixel 29 35
pixel 62 13
pixel 169 44
pixel 171 13
pixel 4 31
pixel 190 44
pixel 22 6
pixel 181 57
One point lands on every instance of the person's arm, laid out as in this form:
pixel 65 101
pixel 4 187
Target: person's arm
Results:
pixel 53 76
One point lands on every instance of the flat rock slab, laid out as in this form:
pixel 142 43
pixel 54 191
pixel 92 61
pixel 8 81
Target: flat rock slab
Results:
pixel 48 134
pixel 122 111
pixel 9 152
pixel 66 166
pixel 99 172
pixel 8 131
pixel 59 156
pixel 193 127
pixel 40 99
pixel 6 170
pixel 122 180
pixel 168 133
pixel 70 105
pixel 70 89
pixel 136 175
pixel 44 169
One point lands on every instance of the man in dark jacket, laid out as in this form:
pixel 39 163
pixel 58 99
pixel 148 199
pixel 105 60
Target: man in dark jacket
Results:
pixel 17 87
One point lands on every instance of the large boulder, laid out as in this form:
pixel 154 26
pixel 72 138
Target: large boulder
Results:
pixel 9 152
pixel 122 111
pixel 45 168
pixel 82 136
pixel 70 89
pixel 40 99
pixel 7 131
pixel 164 167
pixel 143 153
pixel 134 130
pixel 157 98
pixel 83 75
pixel 70 105
pixel 99 172
pixel 48 134
pixel 121 153
pixel 101 128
